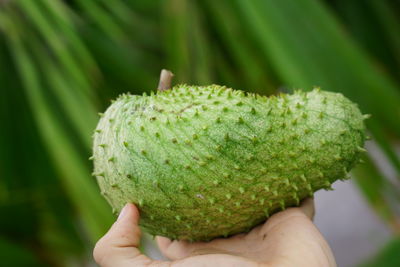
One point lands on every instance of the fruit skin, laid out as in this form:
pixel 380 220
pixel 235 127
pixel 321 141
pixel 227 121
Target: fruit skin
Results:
pixel 204 162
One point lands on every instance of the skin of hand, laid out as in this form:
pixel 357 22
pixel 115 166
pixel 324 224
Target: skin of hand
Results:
pixel 288 238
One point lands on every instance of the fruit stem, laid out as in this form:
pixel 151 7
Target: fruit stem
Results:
pixel 165 80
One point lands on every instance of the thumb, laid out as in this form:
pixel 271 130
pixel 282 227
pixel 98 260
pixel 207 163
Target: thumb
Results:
pixel 119 247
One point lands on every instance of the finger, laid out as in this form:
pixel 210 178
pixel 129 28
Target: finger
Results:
pixel 292 237
pixel 173 249
pixel 297 240
pixel 176 249
pixel 181 249
pixel 163 243
pixel 119 247
pixel 308 208
pixel 305 211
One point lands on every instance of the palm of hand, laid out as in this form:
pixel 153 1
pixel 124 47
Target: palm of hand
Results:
pixel 288 238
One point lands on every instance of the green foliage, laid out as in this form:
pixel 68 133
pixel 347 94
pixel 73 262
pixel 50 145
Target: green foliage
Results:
pixel 17 255
pixel 388 257
pixel 62 61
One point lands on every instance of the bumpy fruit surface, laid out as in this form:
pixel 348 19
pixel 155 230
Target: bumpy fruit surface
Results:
pixel 204 162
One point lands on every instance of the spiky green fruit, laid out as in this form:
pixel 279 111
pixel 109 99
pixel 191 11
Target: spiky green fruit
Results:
pixel 203 162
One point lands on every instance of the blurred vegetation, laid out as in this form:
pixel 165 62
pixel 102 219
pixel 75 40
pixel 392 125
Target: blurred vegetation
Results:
pixel 388 257
pixel 61 61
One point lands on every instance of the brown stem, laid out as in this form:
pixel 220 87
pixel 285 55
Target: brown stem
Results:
pixel 165 80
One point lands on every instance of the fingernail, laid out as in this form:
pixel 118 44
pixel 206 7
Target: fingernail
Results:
pixel 123 212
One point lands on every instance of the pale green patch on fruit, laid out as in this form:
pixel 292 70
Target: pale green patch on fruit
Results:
pixel 203 162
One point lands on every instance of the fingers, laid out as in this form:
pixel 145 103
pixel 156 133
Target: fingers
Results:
pixel 173 249
pixel 119 246
pixel 293 238
pixel 176 250
pixel 305 210
pixel 236 244
pixel 163 244
pixel 308 208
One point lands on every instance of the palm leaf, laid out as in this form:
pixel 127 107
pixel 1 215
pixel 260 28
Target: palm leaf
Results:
pixel 73 171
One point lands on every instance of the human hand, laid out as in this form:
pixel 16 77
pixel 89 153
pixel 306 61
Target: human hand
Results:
pixel 288 238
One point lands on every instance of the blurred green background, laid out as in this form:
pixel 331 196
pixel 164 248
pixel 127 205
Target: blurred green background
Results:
pixel 62 61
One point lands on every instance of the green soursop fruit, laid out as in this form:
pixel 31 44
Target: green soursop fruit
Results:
pixel 203 162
